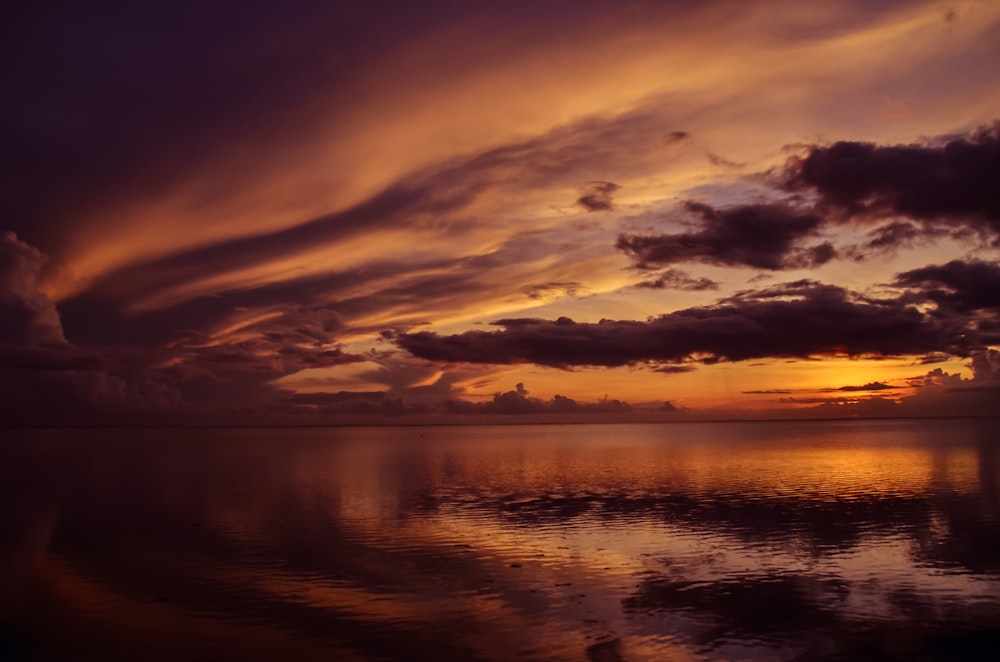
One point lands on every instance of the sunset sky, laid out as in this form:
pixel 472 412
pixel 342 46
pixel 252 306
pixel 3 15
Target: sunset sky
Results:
pixel 320 212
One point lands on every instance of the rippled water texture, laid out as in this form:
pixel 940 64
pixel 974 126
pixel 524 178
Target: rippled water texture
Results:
pixel 771 541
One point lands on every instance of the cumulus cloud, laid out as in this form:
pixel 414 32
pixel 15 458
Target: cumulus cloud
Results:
pixel 798 319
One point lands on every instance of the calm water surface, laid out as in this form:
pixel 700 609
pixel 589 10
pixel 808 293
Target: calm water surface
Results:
pixel 756 541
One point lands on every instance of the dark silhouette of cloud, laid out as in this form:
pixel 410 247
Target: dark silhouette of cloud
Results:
pixel 958 285
pixel 889 238
pixel 953 182
pixel 762 236
pixel 913 194
pixel 793 320
pixel 598 196
pixel 673 369
pixel 870 386
pixel 555 288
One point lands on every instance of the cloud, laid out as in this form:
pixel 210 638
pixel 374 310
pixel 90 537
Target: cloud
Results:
pixel 952 182
pixel 443 208
pixel 762 236
pixel 870 386
pixel 673 369
pixel 887 239
pixel 986 366
pixel 675 279
pixel 27 317
pixel 411 201
pixel 554 289
pixel 959 285
pixel 597 196
pixel 912 194
pixel 798 319
pixel 222 374
pixel 519 402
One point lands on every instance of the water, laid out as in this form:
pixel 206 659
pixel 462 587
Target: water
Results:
pixel 756 541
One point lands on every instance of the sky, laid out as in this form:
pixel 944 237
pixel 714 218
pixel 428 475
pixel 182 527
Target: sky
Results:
pixel 314 213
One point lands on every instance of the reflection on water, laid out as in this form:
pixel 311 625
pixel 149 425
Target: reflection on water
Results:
pixel 771 541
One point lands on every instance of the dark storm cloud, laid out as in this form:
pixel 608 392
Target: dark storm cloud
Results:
pixel 792 320
pixel 953 183
pixel 763 236
pixel 675 279
pixel 598 196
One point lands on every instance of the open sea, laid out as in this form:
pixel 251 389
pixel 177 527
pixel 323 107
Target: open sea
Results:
pixel 816 540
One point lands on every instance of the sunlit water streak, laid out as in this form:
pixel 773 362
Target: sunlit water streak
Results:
pixel 815 540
